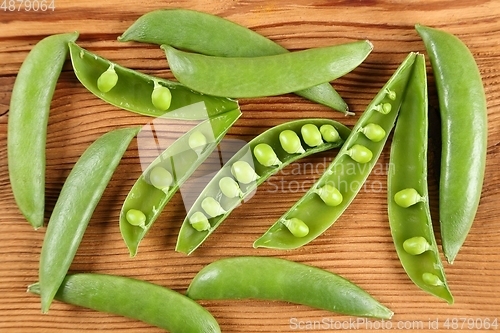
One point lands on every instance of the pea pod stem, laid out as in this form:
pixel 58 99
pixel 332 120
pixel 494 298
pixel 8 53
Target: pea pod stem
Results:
pixel 181 161
pixel 212 35
pixel 411 226
pixel 278 279
pixel 266 75
pixel 464 134
pixel 77 201
pixel 133 90
pixel 190 239
pixel 27 125
pixel 347 172
pixel 135 299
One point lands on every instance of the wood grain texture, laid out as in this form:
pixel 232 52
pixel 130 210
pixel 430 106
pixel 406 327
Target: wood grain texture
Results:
pixel 358 247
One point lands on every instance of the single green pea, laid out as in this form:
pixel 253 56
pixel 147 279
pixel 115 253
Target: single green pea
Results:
pixel 374 132
pixel 107 80
pixel 330 195
pixel 243 172
pixel 230 187
pixel 329 133
pixel 416 245
pixel 265 154
pixel 161 97
pixel 383 108
pixel 212 207
pixel 197 141
pixel 136 217
pixel 199 221
pixel 391 94
pixel 311 135
pixel 360 153
pixel 161 178
pixel 296 226
pixel 432 280
pixel 290 142
pixel 407 197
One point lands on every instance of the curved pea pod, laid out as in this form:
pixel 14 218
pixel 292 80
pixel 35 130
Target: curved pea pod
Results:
pixel 408 204
pixel 212 35
pixel 278 279
pixel 318 208
pixel 464 135
pixel 177 162
pixel 77 201
pixel 27 124
pixel 189 238
pixel 266 75
pixel 134 299
pixel 141 93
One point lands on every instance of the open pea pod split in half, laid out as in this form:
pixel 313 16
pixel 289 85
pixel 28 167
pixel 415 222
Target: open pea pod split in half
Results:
pixel 249 167
pixel 213 35
pixel 408 198
pixel 332 193
pixel 163 177
pixel 141 93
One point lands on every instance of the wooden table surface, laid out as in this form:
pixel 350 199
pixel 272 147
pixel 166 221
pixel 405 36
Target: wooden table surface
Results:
pixel 358 247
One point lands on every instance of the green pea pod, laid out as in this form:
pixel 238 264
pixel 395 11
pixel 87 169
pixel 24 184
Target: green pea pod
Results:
pixel 279 279
pixel 150 193
pixel 332 193
pixel 79 196
pixel 267 75
pixel 212 35
pixel 411 224
pixel 27 127
pixel 464 135
pixel 190 238
pixel 134 299
pixel 133 91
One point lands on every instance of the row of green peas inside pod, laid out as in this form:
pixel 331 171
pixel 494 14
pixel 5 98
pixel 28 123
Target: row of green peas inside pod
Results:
pixel 243 177
pixel 161 96
pixel 160 176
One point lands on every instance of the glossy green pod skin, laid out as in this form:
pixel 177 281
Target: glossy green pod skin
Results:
pixel 77 201
pixel 190 239
pixel 27 124
pixel 268 278
pixel 212 35
pixel 134 299
pixel 464 134
pixel 344 173
pixel 181 161
pixel 133 90
pixel 266 75
pixel 408 169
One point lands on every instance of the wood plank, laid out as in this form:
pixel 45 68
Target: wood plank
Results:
pixel 359 246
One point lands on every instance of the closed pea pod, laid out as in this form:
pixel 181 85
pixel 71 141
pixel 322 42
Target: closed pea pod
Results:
pixel 134 299
pixel 140 93
pixel 347 172
pixel 76 203
pixel 224 186
pixel 278 279
pixel 464 134
pixel 408 206
pixel 27 123
pixel 212 35
pixel 285 73
pixel 163 177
